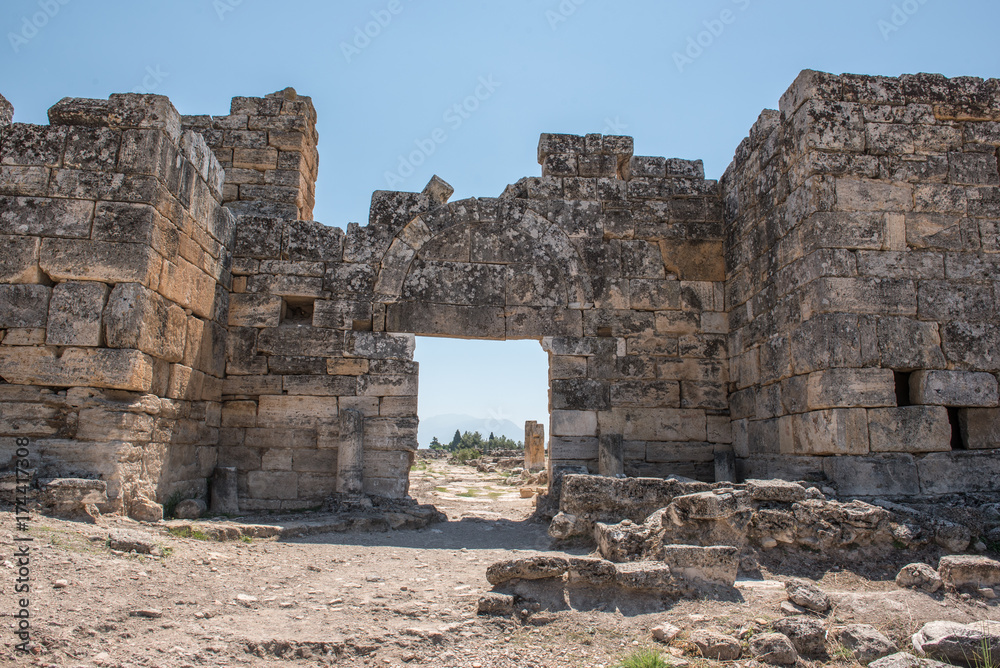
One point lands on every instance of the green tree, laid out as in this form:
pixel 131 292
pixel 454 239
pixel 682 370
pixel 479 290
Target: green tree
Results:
pixel 456 442
pixel 436 444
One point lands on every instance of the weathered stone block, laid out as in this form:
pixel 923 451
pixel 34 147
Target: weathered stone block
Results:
pixel 949 300
pixel 905 343
pixel 580 394
pixel 958 472
pixel 272 484
pixel 24 305
pixel 19 261
pixel 980 427
pixel 300 341
pixel 574 423
pixel 137 317
pixel 69 259
pixel 694 260
pixel 254 310
pixel 485 322
pixel 75 314
pixel 878 475
pixel 953 388
pixel 189 286
pixel 840 431
pixel 380 345
pixel 668 424
pixel 909 429
pixel 77 367
pixel 295 411
pixel 850 388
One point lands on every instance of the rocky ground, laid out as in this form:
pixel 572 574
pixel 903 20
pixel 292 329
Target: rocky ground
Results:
pixel 381 599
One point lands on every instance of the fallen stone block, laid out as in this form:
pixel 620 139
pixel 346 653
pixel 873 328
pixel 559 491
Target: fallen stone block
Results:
pixel 775 490
pixel 906 660
pixel 527 568
pixel 806 594
pixel 494 603
pixel 773 648
pixel 647 575
pixel 129 541
pixel 807 634
pixel 74 498
pixel 715 565
pixel 919 576
pixel 966 569
pixel 716 646
pixel 976 645
pixel 190 509
pixel 866 643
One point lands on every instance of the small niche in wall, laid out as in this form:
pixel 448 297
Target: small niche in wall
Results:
pixel 297 310
pixel 902 379
pixel 957 442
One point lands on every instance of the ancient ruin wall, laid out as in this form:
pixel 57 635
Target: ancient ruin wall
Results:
pixel 114 279
pixel 848 259
pixel 862 261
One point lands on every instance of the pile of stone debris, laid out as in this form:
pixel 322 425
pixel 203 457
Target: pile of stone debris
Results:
pixel 634 519
pixel 524 587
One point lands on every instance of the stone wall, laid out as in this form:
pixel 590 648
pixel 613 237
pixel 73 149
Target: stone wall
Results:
pixel 826 312
pixel 114 278
pixel 862 261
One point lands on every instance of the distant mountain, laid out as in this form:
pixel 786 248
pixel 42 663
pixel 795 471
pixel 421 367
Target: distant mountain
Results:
pixel 444 426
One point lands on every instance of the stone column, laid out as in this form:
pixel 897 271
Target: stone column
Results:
pixel 534 446
pixel 350 463
pixel 611 455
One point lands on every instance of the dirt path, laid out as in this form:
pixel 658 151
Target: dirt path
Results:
pixel 352 599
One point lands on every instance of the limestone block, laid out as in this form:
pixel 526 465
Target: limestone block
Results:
pixel 694 260
pixel 667 424
pixel 980 427
pixel 877 475
pixel 973 169
pixel 954 472
pixel 962 569
pixel 975 344
pixel 954 388
pixel 573 423
pixel 25 336
pixel 187 285
pixel 654 294
pixel 272 484
pixel 103 424
pixel 532 322
pixel 862 295
pixel 137 317
pixel 383 464
pixel 387 385
pixel 27 181
pixel 810 85
pixel 24 305
pixel 390 406
pixel 268 437
pixel 300 341
pixel 849 388
pixel 905 343
pixel 865 195
pixel 251 385
pixel 19 261
pixel 580 394
pixel 26 144
pixel 719 429
pixel 239 414
pixel 573 447
pixel 390 488
pixel 909 429
pixel 295 411
pixel 131 110
pixel 840 431
pixel 77 367
pixel 680 452
pixel 948 300
pixel 254 310
pixel 314 461
pixel 70 259
pixel 75 314
pixel 347 314
pixel 486 322
pixel 901 264
pixel 380 345
pixel 644 393
pixel 704 395
pixel 347 366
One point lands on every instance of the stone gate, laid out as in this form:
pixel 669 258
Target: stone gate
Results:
pixel 827 311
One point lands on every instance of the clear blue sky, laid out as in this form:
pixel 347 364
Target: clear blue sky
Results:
pixel 573 66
